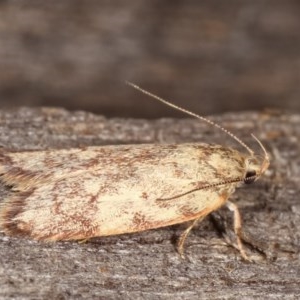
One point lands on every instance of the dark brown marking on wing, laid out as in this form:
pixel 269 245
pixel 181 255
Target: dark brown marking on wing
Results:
pixel 140 222
pixel 145 196
pixel 11 210
pixel 187 211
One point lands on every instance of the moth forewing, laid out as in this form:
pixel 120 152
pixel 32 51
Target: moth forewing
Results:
pixel 119 193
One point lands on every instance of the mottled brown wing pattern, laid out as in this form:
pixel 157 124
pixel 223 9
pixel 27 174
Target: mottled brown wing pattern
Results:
pixel 98 191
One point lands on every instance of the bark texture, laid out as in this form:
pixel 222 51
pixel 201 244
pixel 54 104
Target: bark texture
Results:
pixel 146 265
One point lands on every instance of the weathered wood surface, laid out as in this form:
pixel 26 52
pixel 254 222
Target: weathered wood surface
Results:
pixel 146 265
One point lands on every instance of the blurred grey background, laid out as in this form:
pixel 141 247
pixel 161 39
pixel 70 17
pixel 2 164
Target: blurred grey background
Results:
pixel 209 56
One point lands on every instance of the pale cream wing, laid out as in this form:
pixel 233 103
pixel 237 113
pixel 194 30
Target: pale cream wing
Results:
pixel 117 194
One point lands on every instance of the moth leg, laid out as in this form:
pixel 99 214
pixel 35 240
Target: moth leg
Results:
pixel 183 236
pixel 237 226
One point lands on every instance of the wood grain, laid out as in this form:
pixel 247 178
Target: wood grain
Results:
pixel 146 265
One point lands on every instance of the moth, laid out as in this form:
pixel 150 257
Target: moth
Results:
pixel 81 193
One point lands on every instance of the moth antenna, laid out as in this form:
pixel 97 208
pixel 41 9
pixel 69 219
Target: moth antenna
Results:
pixel 205 187
pixel 191 114
pixel 266 161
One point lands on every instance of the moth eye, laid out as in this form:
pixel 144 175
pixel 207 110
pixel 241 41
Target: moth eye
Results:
pixel 250 177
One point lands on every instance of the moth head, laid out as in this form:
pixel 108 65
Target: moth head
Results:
pixel 257 165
